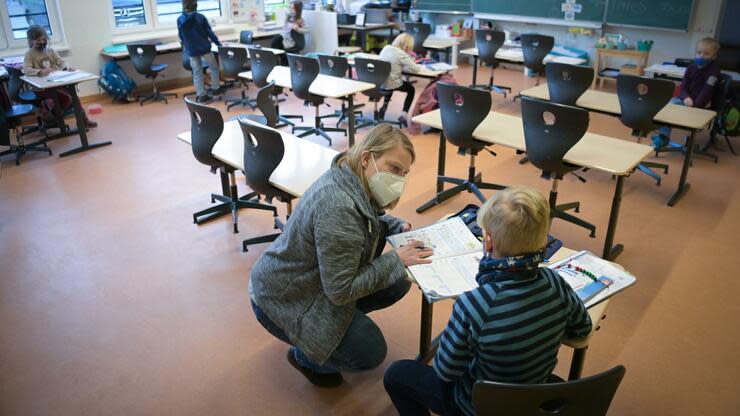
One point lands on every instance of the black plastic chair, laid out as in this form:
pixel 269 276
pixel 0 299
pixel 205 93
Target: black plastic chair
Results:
pixel 488 43
pixel 462 110
pixel 337 66
pixel 186 65
pixel 11 120
pixel 207 126
pixel 723 91
pixel 262 63
pixel 566 83
pixel 640 99
pixel 590 396
pixel 142 57
pixel 550 131
pixel 373 71
pixel 19 93
pixel 246 37
pixel 535 48
pixel 300 42
pixel 263 152
pixel 233 61
pixel 303 72
pixel 266 105
pixel 420 32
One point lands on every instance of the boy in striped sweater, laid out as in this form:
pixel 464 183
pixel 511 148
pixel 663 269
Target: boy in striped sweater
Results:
pixel 509 329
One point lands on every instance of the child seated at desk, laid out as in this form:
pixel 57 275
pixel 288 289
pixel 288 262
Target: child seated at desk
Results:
pixel 697 85
pixel 507 330
pixel 196 35
pixel 398 55
pixel 40 61
pixel 293 22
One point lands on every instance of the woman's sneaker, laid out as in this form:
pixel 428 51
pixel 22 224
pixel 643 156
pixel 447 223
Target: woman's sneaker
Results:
pixel 660 141
pixel 316 378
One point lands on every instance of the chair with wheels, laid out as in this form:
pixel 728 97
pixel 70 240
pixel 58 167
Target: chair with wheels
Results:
pixel 262 62
pixel 207 125
pixel 375 72
pixel 233 61
pixel 550 131
pixel 420 32
pixel 263 151
pixel 266 105
pixel 640 100
pixel 535 48
pixel 142 57
pixel 11 120
pixel 337 66
pixel 303 72
pixel 566 83
pixel 19 95
pixel 488 43
pixel 462 110
pixel 590 396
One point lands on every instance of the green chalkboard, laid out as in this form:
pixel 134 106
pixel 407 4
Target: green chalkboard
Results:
pixel 590 10
pixel 666 14
pixel 449 6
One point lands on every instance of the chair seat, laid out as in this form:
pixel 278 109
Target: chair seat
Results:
pixel 28 95
pixel 159 67
pixel 19 110
pixel 315 100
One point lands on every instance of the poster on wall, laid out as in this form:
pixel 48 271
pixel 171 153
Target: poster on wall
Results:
pixel 247 11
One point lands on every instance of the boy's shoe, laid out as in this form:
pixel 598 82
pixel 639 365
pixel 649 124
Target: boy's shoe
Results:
pixel 204 99
pixel 91 124
pixel 404 121
pixel 660 141
pixel 317 379
pixel 217 91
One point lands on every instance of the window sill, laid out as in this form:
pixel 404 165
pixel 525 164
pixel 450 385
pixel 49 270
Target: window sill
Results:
pixel 165 34
pixel 62 49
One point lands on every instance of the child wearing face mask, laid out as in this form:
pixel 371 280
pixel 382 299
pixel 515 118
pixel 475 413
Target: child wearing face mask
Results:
pixel 293 21
pixel 40 61
pixel 509 328
pixel 697 85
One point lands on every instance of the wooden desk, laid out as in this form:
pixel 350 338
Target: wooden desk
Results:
pixel 691 119
pixel 69 84
pixel 448 45
pixel 302 164
pixel 423 73
pixel 606 154
pixel 516 56
pixel 369 27
pixel 324 86
pixel 428 346
pixel 640 56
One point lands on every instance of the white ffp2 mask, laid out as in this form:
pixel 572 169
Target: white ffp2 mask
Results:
pixel 385 187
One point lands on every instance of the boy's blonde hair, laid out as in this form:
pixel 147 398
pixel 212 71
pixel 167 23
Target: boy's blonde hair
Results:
pixel 404 41
pixel 711 43
pixel 517 219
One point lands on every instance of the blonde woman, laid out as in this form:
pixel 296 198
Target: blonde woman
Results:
pixel 398 55
pixel 315 284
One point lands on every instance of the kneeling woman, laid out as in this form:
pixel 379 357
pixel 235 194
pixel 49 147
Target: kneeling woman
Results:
pixel 315 284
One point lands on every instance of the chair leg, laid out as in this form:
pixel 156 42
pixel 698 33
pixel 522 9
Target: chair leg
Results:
pixel 642 167
pixel 576 206
pixel 575 220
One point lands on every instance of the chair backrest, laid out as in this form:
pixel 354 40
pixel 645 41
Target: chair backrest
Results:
pixel 4 130
pixel 336 66
pixel 233 60
pixel 246 37
pixel 488 43
pixel 420 32
pixel 567 83
pixel 300 41
pixel 142 57
pixel 262 62
pixel 303 72
pixel 550 131
pixel 267 105
pixel 373 71
pixel 15 83
pixel 640 99
pixel 463 109
pixel 263 151
pixel 206 127
pixel 721 93
pixel 535 48
pixel 589 396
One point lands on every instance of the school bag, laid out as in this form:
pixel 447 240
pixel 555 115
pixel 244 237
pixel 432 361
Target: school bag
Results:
pixel 115 82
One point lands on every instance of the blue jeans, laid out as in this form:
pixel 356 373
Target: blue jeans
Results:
pixel 415 389
pixel 197 64
pixel 666 131
pixel 362 347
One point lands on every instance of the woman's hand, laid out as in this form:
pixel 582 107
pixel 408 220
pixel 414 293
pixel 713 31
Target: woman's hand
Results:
pixel 414 253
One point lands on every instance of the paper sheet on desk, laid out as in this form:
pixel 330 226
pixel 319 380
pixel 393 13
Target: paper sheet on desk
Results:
pixel 67 76
pixel 447 238
pixel 448 277
pixel 440 66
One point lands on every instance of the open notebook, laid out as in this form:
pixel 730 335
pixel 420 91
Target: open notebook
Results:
pixel 457 253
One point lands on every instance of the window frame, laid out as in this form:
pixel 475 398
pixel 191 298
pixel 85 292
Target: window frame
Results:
pixel 153 23
pixel 8 41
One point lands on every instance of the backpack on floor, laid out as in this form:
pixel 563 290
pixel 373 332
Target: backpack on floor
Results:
pixel 115 82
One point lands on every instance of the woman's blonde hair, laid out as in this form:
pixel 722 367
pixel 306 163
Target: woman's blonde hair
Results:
pixel 517 219
pixel 382 138
pixel 404 41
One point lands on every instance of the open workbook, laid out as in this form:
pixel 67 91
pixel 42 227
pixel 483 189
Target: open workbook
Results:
pixel 457 253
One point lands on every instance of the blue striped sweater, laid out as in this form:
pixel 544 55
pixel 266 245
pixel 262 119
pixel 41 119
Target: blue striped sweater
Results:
pixel 508 330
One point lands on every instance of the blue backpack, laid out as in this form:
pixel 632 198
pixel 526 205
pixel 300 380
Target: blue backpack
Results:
pixel 115 82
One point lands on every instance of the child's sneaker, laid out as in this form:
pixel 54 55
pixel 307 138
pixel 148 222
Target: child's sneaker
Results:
pixel 660 141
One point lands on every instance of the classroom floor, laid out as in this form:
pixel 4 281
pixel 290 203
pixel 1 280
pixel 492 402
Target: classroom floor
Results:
pixel 113 302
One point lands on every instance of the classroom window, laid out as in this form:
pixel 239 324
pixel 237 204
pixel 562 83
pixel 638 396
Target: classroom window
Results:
pixel 169 10
pixel 129 13
pixel 24 13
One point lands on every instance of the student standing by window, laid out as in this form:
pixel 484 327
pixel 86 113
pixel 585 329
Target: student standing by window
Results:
pixel 196 35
